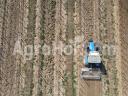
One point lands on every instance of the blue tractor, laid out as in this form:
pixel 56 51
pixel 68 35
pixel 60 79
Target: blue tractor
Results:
pixel 92 62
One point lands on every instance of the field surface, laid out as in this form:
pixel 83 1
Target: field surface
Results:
pixel 32 25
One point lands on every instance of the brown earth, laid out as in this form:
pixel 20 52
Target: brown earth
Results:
pixel 45 22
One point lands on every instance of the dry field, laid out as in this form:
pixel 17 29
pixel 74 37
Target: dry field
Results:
pixel 49 22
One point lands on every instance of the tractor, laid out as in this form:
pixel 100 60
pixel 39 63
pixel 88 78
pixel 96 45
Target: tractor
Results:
pixel 92 62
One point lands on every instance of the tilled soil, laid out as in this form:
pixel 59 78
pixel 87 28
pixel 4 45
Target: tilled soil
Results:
pixel 45 22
